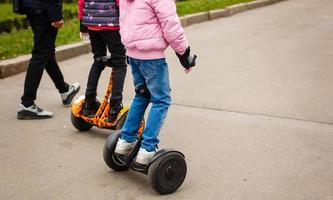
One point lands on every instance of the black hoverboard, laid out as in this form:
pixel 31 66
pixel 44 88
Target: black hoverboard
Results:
pixel 166 170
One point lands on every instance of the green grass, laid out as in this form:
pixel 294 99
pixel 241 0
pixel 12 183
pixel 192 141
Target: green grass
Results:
pixel 69 33
pixel 195 6
pixel 21 42
pixel 6 11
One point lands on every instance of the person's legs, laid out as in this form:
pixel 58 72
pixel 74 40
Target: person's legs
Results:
pixel 67 92
pixel 136 112
pixel 52 67
pixel 157 78
pixel 99 50
pixel 154 74
pixel 53 70
pixel 41 53
pixel 119 68
pixel 40 56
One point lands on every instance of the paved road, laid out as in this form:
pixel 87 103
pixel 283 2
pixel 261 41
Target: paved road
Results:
pixel 255 119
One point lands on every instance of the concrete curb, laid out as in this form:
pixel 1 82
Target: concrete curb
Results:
pixel 227 12
pixel 16 65
pixel 254 4
pixel 196 18
pixel 215 14
pixel 72 50
pixel 234 9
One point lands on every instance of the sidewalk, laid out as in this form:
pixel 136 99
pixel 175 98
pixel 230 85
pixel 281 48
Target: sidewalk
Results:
pixel 254 119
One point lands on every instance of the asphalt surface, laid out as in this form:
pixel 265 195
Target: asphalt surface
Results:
pixel 254 118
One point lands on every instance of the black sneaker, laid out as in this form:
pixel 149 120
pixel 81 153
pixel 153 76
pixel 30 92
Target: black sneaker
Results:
pixel 67 97
pixel 90 109
pixel 114 111
pixel 33 112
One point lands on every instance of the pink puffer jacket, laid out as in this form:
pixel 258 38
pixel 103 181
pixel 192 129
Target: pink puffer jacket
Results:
pixel 147 27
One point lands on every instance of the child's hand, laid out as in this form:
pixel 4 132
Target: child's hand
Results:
pixel 188 70
pixel 187 60
pixel 84 31
pixel 58 24
pixel 84 36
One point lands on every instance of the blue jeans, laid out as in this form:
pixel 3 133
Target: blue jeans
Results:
pixel 154 74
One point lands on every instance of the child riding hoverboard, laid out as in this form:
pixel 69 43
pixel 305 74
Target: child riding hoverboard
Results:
pixel 99 21
pixel 147 28
pixel 84 123
pixel 166 168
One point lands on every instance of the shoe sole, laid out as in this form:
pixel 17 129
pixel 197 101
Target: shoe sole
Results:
pixel 70 98
pixel 139 167
pixel 22 116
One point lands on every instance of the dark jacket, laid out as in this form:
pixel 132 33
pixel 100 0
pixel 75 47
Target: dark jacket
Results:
pixel 100 13
pixel 53 8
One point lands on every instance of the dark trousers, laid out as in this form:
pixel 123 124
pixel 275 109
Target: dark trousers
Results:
pixel 101 41
pixel 43 57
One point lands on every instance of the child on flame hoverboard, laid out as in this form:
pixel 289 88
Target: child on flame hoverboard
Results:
pixel 99 20
pixel 147 27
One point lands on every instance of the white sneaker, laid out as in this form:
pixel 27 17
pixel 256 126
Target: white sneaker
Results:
pixel 144 156
pixel 68 96
pixel 33 112
pixel 123 147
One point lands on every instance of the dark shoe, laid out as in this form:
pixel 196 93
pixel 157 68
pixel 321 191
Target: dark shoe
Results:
pixel 67 97
pixel 114 111
pixel 33 112
pixel 90 109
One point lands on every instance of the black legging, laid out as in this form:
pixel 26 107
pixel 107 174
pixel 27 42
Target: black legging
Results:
pixel 101 41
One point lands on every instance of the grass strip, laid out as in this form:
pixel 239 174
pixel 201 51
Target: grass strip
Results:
pixel 195 6
pixel 21 42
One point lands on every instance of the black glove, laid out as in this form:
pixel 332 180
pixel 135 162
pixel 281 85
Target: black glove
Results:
pixel 187 60
pixel 83 28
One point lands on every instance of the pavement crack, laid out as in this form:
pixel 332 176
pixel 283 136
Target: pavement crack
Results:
pixel 252 113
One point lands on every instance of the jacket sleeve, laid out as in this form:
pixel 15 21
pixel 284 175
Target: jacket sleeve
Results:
pixel 172 29
pixel 80 4
pixel 54 9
